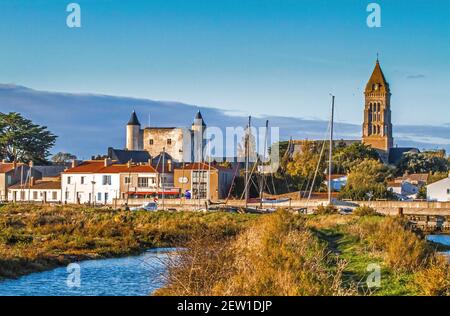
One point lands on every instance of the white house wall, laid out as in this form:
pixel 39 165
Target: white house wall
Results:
pixel 85 190
pixel 439 191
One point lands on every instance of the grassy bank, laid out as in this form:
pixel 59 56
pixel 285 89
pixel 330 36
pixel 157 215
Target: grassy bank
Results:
pixel 35 238
pixel 287 254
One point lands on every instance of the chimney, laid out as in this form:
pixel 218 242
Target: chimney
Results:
pixel 169 165
pixel 74 163
pixel 14 164
pixel 3 160
pixel 31 164
pixel 107 162
pixel 32 181
pixel 129 164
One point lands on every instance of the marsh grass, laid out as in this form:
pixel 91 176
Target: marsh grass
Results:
pixel 275 255
pixel 35 237
pixel 365 210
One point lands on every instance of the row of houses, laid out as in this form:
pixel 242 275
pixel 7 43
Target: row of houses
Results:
pixel 406 187
pixel 107 181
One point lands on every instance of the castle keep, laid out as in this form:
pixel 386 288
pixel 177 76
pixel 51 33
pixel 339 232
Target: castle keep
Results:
pixel 182 144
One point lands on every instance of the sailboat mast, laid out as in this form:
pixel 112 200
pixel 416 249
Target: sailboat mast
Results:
pixel 331 149
pixel 261 188
pixel 247 150
pixel 163 176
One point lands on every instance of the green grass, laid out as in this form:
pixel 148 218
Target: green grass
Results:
pixel 358 256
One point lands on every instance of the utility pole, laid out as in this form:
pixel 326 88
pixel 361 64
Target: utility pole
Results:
pixel 331 149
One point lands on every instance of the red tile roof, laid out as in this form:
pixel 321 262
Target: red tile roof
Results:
pixel 90 166
pixel 39 185
pixel 419 177
pixel 123 168
pixel 97 166
pixel 335 176
pixel 8 166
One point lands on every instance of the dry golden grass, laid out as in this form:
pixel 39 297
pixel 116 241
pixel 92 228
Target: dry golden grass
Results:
pixel 402 250
pixel 435 278
pixel 365 210
pixel 277 255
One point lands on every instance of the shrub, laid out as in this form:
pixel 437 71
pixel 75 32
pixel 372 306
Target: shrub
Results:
pixel 402 250
pixel 435 278
pixel 277 255
pixel 326 210
pixel 365 210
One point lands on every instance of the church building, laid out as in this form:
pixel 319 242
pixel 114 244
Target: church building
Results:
pixel 377 126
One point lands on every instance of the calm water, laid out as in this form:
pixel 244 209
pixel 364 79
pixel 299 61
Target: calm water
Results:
pixel 443 239
pixel 137 275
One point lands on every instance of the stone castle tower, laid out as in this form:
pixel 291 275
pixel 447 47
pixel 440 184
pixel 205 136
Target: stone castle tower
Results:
pixel 134 133
pixel 377 127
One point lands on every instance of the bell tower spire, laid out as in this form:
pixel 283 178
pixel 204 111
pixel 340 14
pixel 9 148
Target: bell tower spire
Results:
pixel 377 127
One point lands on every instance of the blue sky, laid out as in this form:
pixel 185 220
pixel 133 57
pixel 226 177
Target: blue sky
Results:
pixel 248 56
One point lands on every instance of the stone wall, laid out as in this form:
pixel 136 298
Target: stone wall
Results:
pixel 160 137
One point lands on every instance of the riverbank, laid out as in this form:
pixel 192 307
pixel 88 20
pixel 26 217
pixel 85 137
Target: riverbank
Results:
pixel 36 238
pixel 287 254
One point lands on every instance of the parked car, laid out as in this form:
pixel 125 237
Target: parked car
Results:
pixel 150 206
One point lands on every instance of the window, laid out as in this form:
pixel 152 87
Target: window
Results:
pixel 106 197
pixel 22 195
pixel 448 191
pixel 69 179
pixel 82 180
pixel 99 196
pixel 54 195
pixel 106 180
pixel 127 180
pixel 67 195
pixel 150 142
pixel 35 195
pixel 200 176
pixel 200 191
pixel 142 182
pixel 169 141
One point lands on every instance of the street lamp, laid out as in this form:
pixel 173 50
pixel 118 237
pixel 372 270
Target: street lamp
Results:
pixel 93 193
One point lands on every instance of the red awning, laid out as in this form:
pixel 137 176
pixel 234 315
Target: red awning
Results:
pixel 155 193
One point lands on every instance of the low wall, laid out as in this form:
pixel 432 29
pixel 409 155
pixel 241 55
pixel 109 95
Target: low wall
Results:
pixel 385 207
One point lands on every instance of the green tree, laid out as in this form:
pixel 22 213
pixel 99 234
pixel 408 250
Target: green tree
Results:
pixel 424 162
pixel 304 164
pixel 422 194
pixel 346 157
pixel 21 140
pixel 62 158
pixel 367 180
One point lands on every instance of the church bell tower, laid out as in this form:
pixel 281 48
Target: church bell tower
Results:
pixel 377 127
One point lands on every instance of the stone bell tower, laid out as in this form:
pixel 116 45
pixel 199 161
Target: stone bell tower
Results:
pixel 377 127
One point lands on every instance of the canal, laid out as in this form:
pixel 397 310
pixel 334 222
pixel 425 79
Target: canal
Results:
pixel 128 276
pixel 442 239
